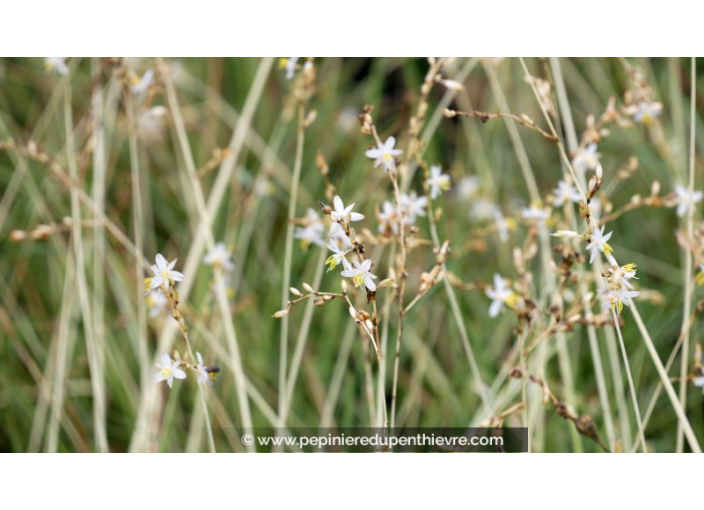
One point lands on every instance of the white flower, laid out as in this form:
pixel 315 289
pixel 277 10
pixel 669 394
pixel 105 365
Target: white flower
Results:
pixel 312 231
pixel 646 112
pixel 385 153
pixel 438 181
pixel 482 209
pixel 500 295
pixel 586 159
pixel 565 192
pixel 467 187
pixel 685 199
pixel 168 370
pixel 156 302
pixel 501 225
pixel 413 206
pixel 141 85
pixel 534 213
pixel 150 124
pixel 360 274
pixel 219 256
pixel 616 298
pixel 338 257
pixel 203 377
pixel 289 63
pixel 621 274
pixel 388 218
pixel 598 244
pixel 342 214
pixel 163 273
pixel 57 64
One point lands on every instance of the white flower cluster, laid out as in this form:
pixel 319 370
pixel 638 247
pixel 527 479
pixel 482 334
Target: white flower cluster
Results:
pixel 220 258
pixel 341 246
pixel 391 216
pixel 165 276
pixel 170 369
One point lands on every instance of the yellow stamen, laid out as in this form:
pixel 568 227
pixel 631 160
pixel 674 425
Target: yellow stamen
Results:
pixel 512 300
pixel 358 279
pixel 332 262
pixel 700 278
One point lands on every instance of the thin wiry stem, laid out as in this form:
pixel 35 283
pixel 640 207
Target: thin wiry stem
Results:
pixel 632 387
pixel 92 346
pixel 138 219
pixel 548 274
pixel 572 144
pixel 288 258
pixel 223 305
pixel 99 176
pixel 658 388
pixel 302 337
pixel 580 182
pixel 684 368
pixel 679 410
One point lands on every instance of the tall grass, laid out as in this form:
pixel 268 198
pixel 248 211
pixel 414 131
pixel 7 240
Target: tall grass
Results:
pixel 237 158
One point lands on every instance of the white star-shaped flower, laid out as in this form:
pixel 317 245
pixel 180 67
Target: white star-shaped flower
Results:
pixel 438 181
pixel 342 214
pixel 385 153
pixel 467 187
pixel 413 206
pixel 163 273
pixel 388 218
pixel 360 274
pixel 534 213
pixel 141 86
pixel 500 295
pixel 598 244
pixel 565 192
pixel 203 377
pixel 57 64
pixel 586 159
pixel 312 231
pixel 289 63
pixel 646 112
pixel 338 257
pixel 685 199
pixel 156 302
pixel 168 369
pixel 219 256
pixel 616 298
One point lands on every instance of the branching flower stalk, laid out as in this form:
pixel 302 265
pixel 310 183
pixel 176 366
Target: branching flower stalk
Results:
pixel 615 298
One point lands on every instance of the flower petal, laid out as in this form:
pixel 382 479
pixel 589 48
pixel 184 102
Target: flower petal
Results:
pixel 339 206
pixel 176 276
